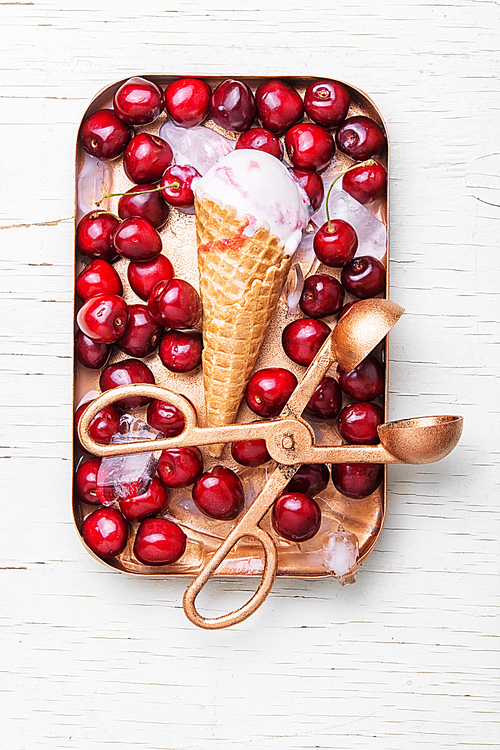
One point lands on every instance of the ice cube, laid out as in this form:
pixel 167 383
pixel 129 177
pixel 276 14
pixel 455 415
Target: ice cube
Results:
pixel 199 146
pixel 120 477
pixel 340 555
pixel 94 181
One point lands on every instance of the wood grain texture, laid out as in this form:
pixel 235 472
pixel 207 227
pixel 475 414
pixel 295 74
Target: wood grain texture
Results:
pixel 408 657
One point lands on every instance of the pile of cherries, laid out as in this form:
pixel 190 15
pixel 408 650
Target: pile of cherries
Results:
pixel 272 120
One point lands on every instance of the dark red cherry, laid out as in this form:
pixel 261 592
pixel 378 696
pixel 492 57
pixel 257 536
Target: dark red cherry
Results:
pixel 358 423
pixel 364 277
pixel 151 502
pixel 149 206
pixel 232 106
pixel 310 479
pixel 268 391
pixel 346 309
pixel 98 277
pixel 175 304
pixel 322 295
pixel 143 277
pixel 366 183
pixel 86 480
pixel 219 494
pixel 138 101
pixel 327 102
pixel 250 452
pixel 166 418
pixel 137 239
pixel 103 318
pixel 357 480
pixel 180 467
pixel 309 146
pixel 365 382
pixel 302 339
pixel 180 351
pixel 360 138
pixel 90 353
pixel 312 184
pixel 177 185
pixel 261 139
pixel 159 542
pixel 296 517
pixel 94 235
pixel 278 105
pixel 142 334
pixel 326 401
pixel 103 426
pixel 104 135
pixel 187 100
pixel 335 245
pixel 127 372
pixel 105 531
pixel 146 158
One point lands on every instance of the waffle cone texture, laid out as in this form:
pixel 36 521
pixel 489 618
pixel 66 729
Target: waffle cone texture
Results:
pixel 241 279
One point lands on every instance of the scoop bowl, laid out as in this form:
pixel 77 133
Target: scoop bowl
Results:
pixel 421 440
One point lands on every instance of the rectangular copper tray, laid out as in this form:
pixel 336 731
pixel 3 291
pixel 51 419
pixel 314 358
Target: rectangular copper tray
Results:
pixel 365 518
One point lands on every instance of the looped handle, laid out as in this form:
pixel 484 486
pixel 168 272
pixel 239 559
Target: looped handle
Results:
pixel 265 586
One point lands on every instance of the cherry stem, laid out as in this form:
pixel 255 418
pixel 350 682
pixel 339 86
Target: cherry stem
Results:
pixel 102 211
pixel 368 163
pixel 174 185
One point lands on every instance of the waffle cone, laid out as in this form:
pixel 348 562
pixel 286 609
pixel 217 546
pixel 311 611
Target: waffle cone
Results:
pixel 241 279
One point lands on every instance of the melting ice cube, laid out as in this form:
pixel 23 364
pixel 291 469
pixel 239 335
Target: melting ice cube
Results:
pixel 340 555
pixel 94 181
pixel 199 146
pixel 127 476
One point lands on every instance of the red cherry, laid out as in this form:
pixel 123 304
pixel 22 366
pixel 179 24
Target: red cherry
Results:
pixel 159 542
pixel 146 205
pixel 151 502
pixel 137 239
pixel 127 372
pixel 104 135
pixel 357 480
pixel 365 382
pixel 326 401
pixel 187 101
pixel 94 235
pixel 86 480
pixel 175 304
pixel 177 185
pixel 278 105
pixel 98 277
pixel 309 146
pixel 327 102
pixel 302 339
pixel 180 351
pixel 232 106
pixel 335 245
pixel 360 138
pixel 366 183
pixel 146 158
pixel 105 531
pixel 261 139
pixel 180 467
pixel 90 353
pixel 138 101
pixel 312 183
pixel 358 423
pixel 143 277
pixel 219 494
pixel 102 427
pixel 322 295
pixel 296 517
pixel 142 334
pixel 310 479
pixel 166 418
pixel 268 390
pixel 345 309
pixel 364 277
pixel 250 452
pixel 103 318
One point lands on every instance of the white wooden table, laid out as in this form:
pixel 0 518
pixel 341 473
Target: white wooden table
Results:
pixel 405 658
